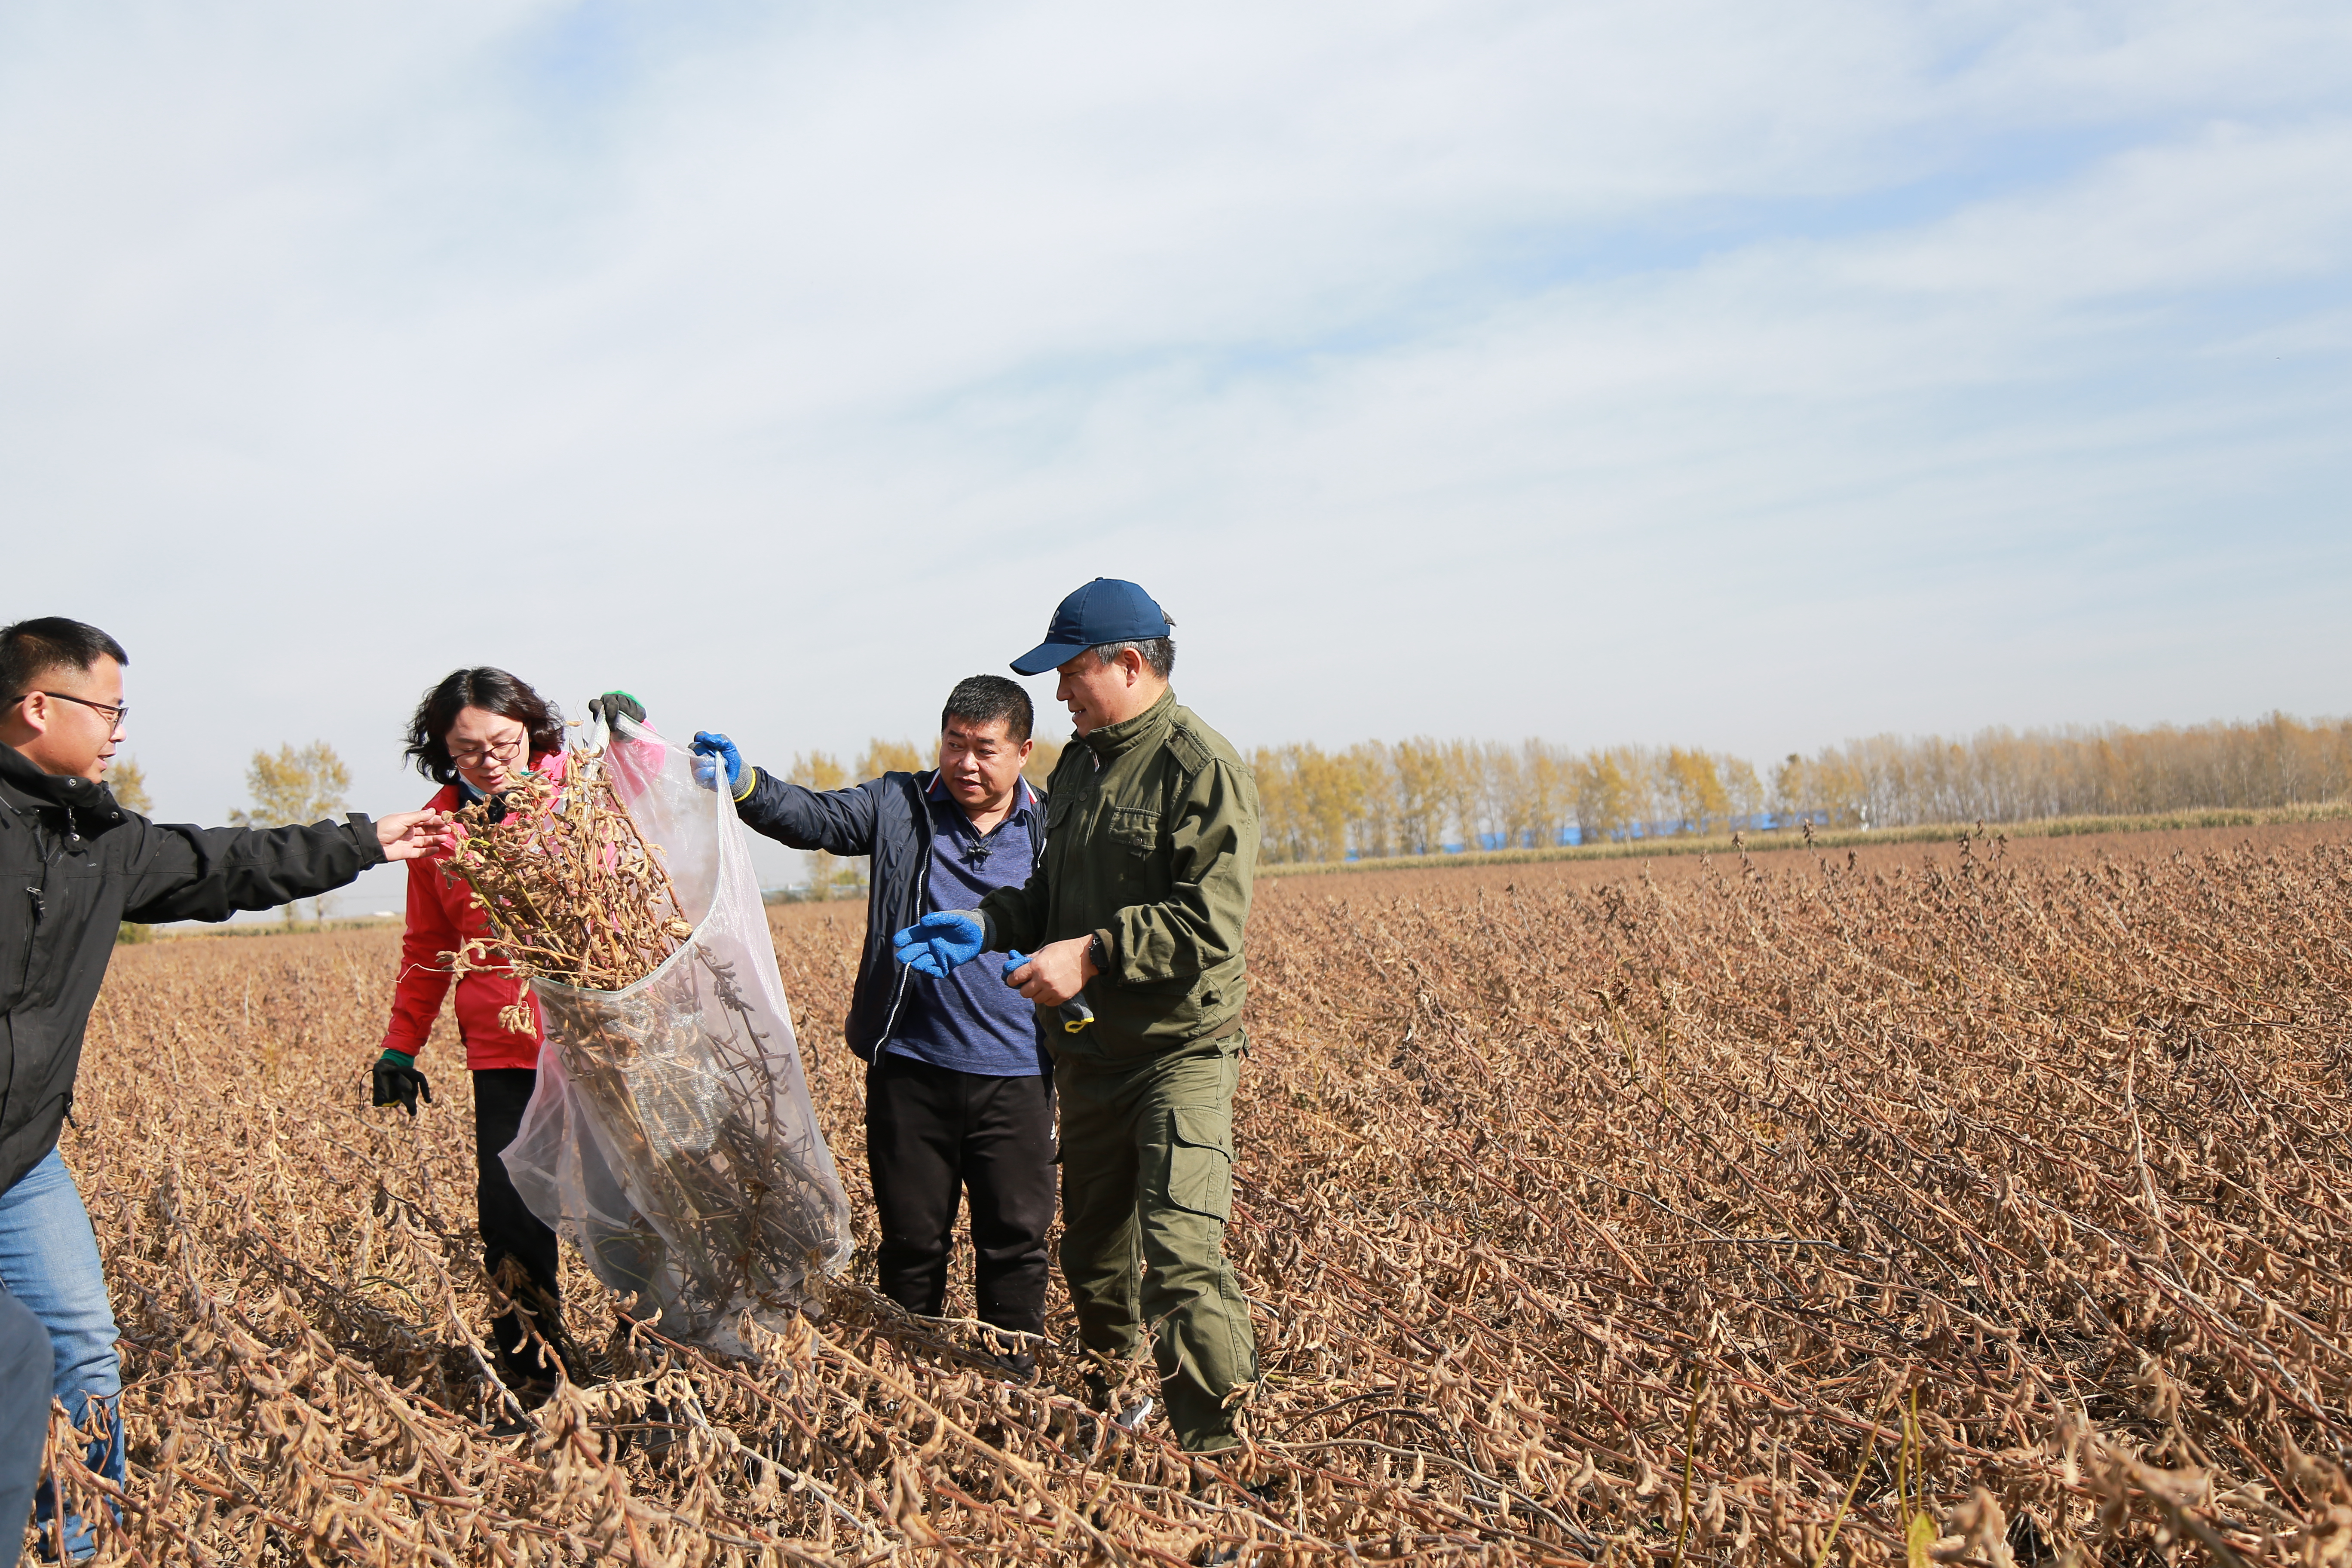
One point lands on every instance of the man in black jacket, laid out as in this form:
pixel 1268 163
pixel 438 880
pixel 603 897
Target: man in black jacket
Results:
pixel 958 1086
pixel 73 866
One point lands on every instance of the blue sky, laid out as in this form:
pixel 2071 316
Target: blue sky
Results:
pixel 1700 373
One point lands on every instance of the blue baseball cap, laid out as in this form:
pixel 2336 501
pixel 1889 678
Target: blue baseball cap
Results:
pixel 1105 610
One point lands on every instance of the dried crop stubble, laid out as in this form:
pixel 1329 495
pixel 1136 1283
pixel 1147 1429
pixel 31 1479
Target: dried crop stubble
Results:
pixel 1736 1219
pixel 1446 879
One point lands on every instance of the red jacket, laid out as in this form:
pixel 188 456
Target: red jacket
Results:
pixel 440 913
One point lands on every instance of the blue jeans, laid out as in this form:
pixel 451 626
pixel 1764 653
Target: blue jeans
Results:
pixel 49 1260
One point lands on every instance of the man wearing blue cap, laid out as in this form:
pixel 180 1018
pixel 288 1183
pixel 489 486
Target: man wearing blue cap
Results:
pixel 1139 903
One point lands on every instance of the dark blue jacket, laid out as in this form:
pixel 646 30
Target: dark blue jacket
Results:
pixel 889 819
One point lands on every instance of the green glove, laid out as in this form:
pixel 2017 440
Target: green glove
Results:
pixel 397 1082
pixel 612 705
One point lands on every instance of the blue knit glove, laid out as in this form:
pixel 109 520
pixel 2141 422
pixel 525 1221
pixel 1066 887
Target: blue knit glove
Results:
pixel 711 749
pixel 940 942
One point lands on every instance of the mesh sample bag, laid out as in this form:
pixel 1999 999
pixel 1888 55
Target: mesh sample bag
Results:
pixel 670 1137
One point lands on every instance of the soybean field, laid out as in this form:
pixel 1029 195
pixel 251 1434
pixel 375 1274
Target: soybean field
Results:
pixel 1937 1204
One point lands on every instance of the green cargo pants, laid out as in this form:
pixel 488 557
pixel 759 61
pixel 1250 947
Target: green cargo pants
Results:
pixel 1147 1176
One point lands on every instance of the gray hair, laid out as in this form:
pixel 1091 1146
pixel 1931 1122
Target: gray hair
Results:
pixel 1159 653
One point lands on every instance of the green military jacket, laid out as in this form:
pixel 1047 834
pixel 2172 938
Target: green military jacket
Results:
pixel 1150 843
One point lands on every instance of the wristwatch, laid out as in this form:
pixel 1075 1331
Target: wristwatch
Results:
pixel 1099 954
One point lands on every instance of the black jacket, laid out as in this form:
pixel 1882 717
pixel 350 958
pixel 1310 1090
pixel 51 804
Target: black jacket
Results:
pixel 73 867
pixel 890 819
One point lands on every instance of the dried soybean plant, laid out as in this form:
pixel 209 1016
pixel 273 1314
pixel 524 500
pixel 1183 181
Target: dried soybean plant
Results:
pixel 706 1190
pixel 570 886
pixel 1987 1213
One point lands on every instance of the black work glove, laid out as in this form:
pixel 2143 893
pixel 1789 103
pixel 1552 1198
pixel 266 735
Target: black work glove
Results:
pixel 397 1082
pixel 614 704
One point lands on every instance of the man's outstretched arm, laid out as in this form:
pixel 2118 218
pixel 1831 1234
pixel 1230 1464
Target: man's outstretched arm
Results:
pixel 839 821
pixel 180 873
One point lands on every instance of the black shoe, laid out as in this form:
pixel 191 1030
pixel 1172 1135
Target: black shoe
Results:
pixel 1020 1366
pixel 529 1393
pixel 654 1431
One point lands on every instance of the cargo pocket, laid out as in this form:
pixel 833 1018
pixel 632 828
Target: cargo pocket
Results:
pixel 1200 1161
pixel 1135 829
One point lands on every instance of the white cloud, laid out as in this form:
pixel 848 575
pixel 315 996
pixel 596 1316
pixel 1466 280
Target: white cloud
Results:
pixel 2230 206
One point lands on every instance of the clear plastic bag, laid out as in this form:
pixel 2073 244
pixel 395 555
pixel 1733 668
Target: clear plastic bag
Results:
pixel 670 1137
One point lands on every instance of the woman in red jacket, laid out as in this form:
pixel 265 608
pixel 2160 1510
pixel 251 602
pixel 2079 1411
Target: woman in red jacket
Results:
pixel 475 734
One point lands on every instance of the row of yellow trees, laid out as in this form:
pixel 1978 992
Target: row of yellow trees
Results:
pixel 1424 797
pixel 2005 776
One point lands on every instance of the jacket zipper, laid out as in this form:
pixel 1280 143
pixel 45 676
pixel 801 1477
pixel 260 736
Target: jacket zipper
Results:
pixel 40 905
pixel 32 942
pixel 922 886
pixel 923 892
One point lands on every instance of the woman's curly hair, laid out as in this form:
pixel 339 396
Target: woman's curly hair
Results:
pixel 491 690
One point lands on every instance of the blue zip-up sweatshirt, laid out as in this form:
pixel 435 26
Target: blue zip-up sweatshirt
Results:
pixel 887 819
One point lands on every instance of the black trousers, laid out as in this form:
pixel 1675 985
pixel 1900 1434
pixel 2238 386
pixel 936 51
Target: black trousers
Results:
pixel 933 1135
pixel 508 1228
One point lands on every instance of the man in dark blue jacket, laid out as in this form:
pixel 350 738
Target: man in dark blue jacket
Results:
pixel 958 1086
